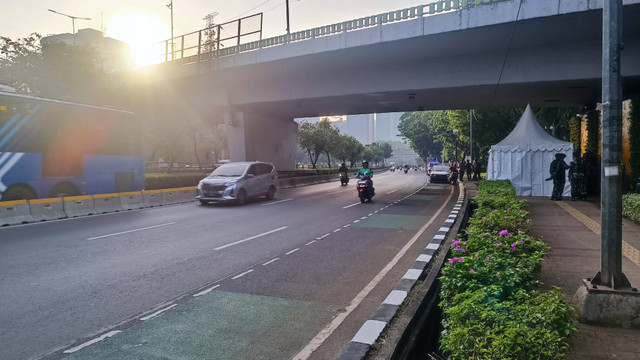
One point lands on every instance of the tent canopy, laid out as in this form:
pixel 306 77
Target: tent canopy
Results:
pixel 524 157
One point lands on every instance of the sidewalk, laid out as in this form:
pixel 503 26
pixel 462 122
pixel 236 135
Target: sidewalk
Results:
pixel 572 229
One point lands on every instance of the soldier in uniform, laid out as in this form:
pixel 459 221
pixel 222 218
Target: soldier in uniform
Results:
pixel 557 171
pixel 577 179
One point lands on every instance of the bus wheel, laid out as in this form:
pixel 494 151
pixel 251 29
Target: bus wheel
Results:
pixel 64 189
pixel 18 192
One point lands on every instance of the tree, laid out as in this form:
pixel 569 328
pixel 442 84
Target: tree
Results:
pixel 415 127
pixel 317 139
pixel 21 63
pixel 383 149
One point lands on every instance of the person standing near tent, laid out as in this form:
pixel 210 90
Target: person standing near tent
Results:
pixel 577 180
pixel 558 175
pixel 476 170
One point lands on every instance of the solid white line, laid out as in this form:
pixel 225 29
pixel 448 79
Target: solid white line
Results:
pixel 391 192
pixel 277 202
pixel 249 238
pixel 205 291
pixel 272 260
pixel 242 274
pixel 130 231
pixel 90 342
pixel 348 206
pixel 292 251
pixel 157 312
pixel 310 242
pixel 329 329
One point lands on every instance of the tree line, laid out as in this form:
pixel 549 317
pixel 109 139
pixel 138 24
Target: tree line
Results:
pixel 323 138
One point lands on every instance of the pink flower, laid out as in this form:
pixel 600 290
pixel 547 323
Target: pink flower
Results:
pixel 499 244
pixel 484 219
pixel 471 271
pixel 475 256
pixel 504 233
pixel 521 241
pixel 506 217
pixel 513 247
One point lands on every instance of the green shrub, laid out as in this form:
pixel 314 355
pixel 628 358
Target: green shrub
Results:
pixel 631 207
pixel 512 220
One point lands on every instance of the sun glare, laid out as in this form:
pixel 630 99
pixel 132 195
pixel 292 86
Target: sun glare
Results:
pixel 142 32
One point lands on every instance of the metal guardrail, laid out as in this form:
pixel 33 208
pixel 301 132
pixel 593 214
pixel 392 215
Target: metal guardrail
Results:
pixel 183 56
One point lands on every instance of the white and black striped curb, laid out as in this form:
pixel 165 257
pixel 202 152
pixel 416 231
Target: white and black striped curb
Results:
pixel 372 328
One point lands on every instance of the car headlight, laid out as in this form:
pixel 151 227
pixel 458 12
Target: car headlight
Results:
pixel 200 185
pixel 230 183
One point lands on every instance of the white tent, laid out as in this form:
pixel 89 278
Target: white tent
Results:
pixel 525 155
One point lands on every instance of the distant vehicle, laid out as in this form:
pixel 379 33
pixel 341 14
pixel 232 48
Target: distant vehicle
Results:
pixel 440 173
pixel 51 148
pixel 430 167
pixel 237 182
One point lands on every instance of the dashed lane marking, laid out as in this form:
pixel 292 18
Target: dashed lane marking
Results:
pixel 206 291
pixel 250 238
pixel 292 251
pixel 91 342
pixel 130 231
pixel 277 202
pixel 144 318
pixel 242 274
pixel 272 260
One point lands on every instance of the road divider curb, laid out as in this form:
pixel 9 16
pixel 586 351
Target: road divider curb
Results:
pixel 131 200
pixel 107 203
pixel 153 198
pixel 15 212
pixel 47 209
pixel 75 206
pixel 370 332
pixel 179 195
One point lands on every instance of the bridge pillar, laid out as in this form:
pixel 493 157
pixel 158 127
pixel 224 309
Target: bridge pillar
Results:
pixel 258 137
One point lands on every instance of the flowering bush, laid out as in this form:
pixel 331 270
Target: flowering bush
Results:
pixel 488 307
pixel 631 207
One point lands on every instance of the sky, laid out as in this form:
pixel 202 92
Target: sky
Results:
pixel 149 20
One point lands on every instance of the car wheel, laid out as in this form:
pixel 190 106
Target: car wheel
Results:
pixel 241 199
pixel 271 193
pixel 204 202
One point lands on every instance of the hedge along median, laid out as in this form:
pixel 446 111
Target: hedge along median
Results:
pixel 490 307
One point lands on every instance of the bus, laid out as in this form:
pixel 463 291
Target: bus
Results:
pixel 51 148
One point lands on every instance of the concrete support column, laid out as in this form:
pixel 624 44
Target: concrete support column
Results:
pixel 257 137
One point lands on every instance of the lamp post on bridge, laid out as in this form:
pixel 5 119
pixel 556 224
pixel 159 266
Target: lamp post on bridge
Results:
pixel 73 21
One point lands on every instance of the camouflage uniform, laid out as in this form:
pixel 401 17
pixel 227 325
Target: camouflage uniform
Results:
pixel 577 180
pixel 557 171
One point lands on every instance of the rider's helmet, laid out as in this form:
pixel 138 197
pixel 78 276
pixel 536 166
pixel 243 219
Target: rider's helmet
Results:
pixel 343 164
pixel 365 164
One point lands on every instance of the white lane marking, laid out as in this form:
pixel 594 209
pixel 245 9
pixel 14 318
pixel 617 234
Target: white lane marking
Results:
pixel 310 242
pixel 277 202
pixel 346 226
pixel 377 211
pixel 362 218
pixel 348 206
pixel 391 192
pixel 292 251
pixel 271 261
pixel 242 274
pixel 333 325
pixel 250 238
pixel 322 237
pixel 336 230
pixel 90 342
pixel 370 214
pixel 157 313
pixel 205 291
pixel 130 231
pixel 356 221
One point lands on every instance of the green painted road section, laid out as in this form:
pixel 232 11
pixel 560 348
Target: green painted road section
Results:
pixel 392 221
pixel 218 325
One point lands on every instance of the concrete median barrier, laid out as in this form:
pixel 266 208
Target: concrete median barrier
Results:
pixel 47 209
pixel 179 195
pixel 153 198
pixel 14 213
pixel 75 206
pixel 107 203
pixel 131 200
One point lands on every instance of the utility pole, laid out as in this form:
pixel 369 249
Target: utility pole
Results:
pixel 471 134
pixel 170 6
pixel 288 28
pixel 610 274
pixel 73 21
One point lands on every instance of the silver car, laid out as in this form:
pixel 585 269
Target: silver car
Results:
pixel 238 181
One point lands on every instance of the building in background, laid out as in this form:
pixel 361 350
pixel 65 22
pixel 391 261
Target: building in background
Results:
pixel 113 55
pixel 366 128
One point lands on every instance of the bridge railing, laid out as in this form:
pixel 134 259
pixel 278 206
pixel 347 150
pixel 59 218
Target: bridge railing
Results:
pixel 233 44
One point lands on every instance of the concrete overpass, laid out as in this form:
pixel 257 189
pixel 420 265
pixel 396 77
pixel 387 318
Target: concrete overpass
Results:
pixel 504 53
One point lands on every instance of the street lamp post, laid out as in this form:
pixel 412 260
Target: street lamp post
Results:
pixel 170 6
pixel 288 28
pixel 73 20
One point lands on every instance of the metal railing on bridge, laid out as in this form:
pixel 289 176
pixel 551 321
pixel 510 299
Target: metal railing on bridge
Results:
pixel 227 39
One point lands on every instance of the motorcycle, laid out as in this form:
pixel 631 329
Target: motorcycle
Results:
pixel 365 189
pixel 454 177
pixel 344 178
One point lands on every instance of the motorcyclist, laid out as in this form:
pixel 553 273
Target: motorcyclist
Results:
pixel 366 172
pixel 344 174
pixel 343 168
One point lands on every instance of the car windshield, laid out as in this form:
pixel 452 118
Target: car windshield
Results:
pixel 440 168
pixel 229 170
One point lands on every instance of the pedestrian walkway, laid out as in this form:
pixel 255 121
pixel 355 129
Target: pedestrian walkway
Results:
pixel 572 230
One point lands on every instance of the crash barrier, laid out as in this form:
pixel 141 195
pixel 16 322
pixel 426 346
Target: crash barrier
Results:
pixel 36 210
pixel 307 180
pixel 47 209
pixel 131 200
pixel 15 212
pixel 153 198
pixel 75 206
pixel 107 203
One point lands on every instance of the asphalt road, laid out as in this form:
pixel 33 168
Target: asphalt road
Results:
pixel 213 282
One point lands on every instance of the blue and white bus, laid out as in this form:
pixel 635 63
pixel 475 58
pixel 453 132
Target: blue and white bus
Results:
pixel 51 148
